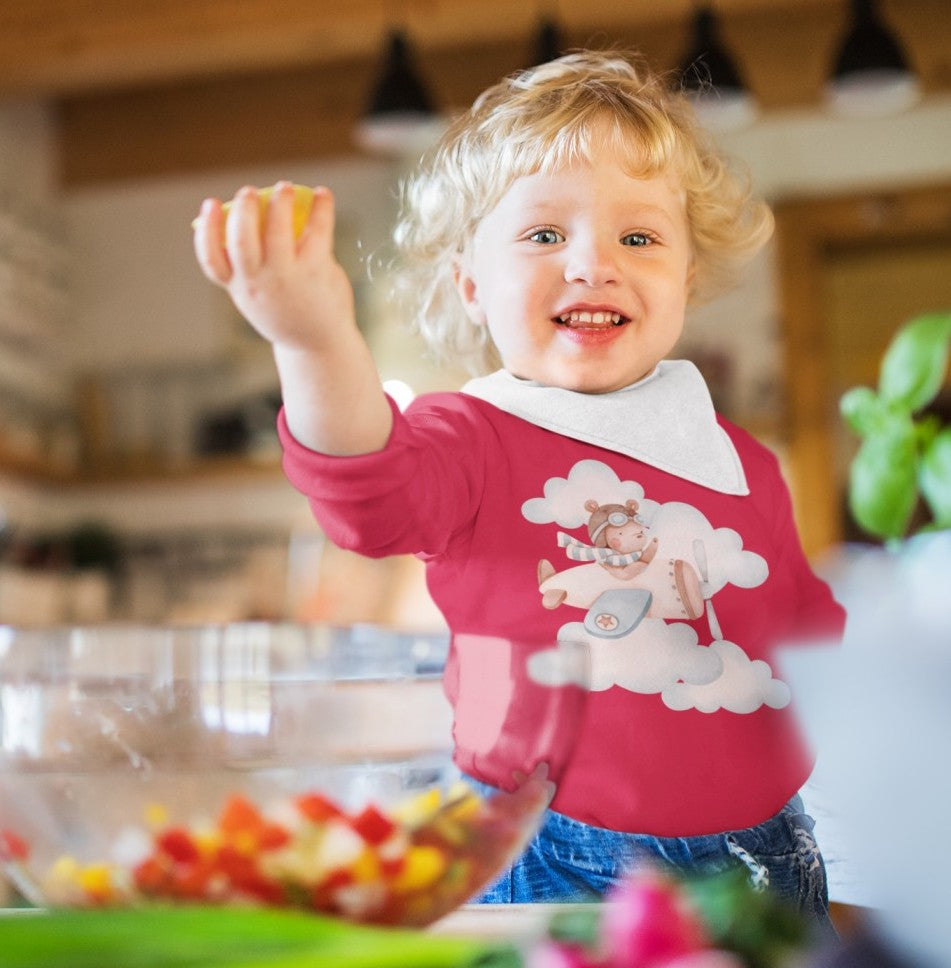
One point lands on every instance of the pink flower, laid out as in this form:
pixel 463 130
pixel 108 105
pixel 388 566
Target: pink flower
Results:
pixel 648 923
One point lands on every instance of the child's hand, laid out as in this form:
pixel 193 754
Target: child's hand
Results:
pixel 297 296
pixel 292 290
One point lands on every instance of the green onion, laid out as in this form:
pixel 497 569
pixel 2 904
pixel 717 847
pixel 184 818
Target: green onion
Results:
pixel 204 937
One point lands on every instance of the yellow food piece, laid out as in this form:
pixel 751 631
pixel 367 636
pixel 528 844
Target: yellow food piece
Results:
pixel 156 815
pixel 207 842
pixel 417 809
pixel 423 867
pixel 366 868
pixel 245 843
pixel 463 805
pixel 65 869
pixel 303 200
pixel 96 880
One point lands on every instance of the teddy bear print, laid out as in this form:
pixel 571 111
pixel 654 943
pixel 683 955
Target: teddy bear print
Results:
pixel 645 576
pixel 625 581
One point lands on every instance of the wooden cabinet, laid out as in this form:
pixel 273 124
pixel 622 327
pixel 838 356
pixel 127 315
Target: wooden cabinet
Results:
pixel 853 269
pixel 37 426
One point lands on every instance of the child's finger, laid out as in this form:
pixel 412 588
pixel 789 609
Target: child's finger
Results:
pixel 278 231
pixel 207 239
pixel 243 231
pixel 318 231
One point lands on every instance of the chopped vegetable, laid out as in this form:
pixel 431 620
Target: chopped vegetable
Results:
pixel 204 937
pixel 406 866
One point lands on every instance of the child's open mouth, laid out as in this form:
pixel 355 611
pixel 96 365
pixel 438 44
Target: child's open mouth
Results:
pixel 582 319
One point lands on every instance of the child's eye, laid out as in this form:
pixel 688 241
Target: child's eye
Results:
pixel 546 236
pixel 636 239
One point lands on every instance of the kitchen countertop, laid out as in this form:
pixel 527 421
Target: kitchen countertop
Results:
pixel 509 922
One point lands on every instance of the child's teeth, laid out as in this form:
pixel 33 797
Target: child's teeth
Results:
pixel 588 318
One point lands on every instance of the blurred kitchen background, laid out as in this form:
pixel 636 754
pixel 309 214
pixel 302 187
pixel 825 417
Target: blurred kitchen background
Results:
pixel 139 468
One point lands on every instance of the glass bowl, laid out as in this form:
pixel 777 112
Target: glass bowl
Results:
pixel 284 765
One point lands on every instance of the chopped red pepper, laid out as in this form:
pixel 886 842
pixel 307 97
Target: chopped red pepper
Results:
pixel 273 836
pixel 178 844
pixel 234 864
pixel 338 878
pixel 151 875
pixel 372 825
pixel 188 881
pixel 317 808
pixel 392 868
pixel 239 815
pixel 13 846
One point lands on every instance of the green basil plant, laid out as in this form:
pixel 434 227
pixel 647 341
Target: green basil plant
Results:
pixel 905 454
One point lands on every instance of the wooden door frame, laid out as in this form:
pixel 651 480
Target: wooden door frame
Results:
pixel 807 229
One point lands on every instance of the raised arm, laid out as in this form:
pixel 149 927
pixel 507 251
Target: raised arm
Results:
pixel 297 296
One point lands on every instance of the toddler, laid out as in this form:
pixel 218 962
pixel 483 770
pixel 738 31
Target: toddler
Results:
pixel 585 488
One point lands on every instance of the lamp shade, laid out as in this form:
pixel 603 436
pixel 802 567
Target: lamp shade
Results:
pixel 400 113
pixel 712 80
pixel 871 74
pixel 547 43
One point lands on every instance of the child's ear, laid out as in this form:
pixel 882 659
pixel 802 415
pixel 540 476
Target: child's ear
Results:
pixel 468 292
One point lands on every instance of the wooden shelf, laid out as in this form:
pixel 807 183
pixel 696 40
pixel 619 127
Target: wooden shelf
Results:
pixel 194 469
pixel 39 471
pixel 14 464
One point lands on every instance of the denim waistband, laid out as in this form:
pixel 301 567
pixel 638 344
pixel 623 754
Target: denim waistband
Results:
pixel 584 845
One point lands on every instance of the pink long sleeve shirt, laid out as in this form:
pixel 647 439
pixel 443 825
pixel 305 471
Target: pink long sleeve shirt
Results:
pixel 689 728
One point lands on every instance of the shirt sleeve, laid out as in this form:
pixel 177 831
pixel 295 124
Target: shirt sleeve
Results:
pixel 415 496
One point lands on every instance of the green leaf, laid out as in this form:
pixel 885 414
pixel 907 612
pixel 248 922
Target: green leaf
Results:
pixel 761 927
pixel 861 408
pixel 934 477
pixel 883 484
pixel 579 926
pixel 915 362
pixel 202 937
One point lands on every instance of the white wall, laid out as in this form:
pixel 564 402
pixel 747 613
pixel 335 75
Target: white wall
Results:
pixel 796 153
pixel 140 297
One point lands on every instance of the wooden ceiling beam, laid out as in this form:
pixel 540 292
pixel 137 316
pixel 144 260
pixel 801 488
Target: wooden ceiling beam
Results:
pixel 64 47
pixel 158 86
pixel 310 112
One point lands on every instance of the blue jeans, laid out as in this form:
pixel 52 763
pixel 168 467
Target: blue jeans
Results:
pixel 572 861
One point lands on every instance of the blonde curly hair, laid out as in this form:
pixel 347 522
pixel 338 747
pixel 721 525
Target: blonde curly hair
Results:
pixel 543 119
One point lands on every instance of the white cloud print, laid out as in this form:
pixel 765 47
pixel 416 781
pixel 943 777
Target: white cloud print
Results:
pixel 563 503
pixel 744 685
pixel 651 658
pixel 660 654
pixel 663 658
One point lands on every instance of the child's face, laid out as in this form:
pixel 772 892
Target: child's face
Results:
pixel 581 275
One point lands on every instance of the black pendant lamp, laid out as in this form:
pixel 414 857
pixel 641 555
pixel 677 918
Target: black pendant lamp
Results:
pixel 871 75
pixel 400 115
pixel 547 43
pixel 712 79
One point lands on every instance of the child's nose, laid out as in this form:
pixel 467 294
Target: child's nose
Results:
pixel 592 262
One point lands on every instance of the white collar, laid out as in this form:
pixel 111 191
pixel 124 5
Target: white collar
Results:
pixel 666 420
